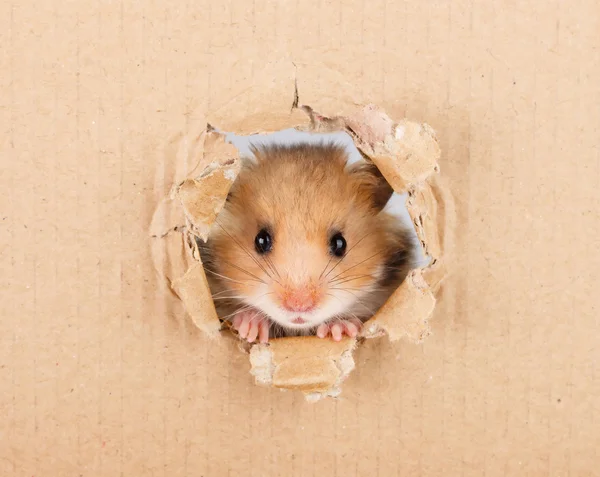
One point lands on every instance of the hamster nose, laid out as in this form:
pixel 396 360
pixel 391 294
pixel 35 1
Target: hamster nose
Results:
pixel 299 299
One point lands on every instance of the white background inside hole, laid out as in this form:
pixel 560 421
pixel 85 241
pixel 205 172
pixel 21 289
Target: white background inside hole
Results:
pixel 397 203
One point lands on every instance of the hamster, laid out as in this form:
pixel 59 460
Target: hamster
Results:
pixel 303 245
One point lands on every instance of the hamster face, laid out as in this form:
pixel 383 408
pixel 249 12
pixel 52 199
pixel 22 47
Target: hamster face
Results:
pixel 302 237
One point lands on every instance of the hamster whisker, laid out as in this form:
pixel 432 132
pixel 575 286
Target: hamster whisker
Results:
pixel 338 317
pixel 360 289
pixel 348 312
pixel 355 288
pixel 341 280
pixel 271 266
pixel 354 315
pixel 221 293
pixel 244 249
pixel 237 297
pixel 275 330
pixel 346 254
pixel 257 314
pixel 358 300
pixel 244 308
pixel 244 271
pixel 351 278
pixel 336 297
pixel 223 276
pixel 342 317
pixel 354 266
pixel 330 259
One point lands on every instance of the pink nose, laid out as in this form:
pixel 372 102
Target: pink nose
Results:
pixel 300 300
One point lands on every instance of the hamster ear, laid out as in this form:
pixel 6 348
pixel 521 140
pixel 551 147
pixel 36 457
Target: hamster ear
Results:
pixel 372 182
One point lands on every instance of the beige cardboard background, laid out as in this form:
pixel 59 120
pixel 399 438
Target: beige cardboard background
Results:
pixel 102 374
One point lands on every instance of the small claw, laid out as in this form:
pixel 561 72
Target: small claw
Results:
pixel 253 332
pixel 263 333
pixel 237 320
pixel 336 332
pixel 323 330
pixel 244 326
pixel 351 329
pixel 250 325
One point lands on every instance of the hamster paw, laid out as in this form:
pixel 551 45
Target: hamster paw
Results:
pixel 339 328
pixel 250 324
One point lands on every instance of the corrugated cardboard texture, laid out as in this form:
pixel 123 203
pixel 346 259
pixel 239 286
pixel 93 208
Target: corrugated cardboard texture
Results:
pixel 100 374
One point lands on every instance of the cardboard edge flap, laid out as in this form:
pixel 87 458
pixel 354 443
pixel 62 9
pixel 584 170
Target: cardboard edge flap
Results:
pixel 405 152
pixel 203 165
pixel 422 209
pixel 203 198
pixel 406 313
pixel 309 364
pixel 191 209
pixel 192 288
pixel 167 218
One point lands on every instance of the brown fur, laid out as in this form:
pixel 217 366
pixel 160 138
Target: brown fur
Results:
pixel 302 195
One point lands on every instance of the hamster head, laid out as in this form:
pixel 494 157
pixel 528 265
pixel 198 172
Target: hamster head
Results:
pixel 303 239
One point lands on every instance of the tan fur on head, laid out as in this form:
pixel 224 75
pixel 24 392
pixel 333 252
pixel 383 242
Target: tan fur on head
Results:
pixel 303 195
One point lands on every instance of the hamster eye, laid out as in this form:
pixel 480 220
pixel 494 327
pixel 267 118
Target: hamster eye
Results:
pixel 263 242
pixel 337 245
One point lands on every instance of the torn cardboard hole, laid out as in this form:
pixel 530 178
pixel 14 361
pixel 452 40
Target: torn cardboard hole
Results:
pixel 407 155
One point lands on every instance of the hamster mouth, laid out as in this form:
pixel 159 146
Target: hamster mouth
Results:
pixel 298 321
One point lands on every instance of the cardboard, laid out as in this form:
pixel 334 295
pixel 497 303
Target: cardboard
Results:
pixel 316 367
pixel 103 108
pixel 406 153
